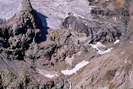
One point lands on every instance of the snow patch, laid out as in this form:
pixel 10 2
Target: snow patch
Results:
pixel 48 74
pixel 106 51
pixel 101 49
pixel 117 41
pixel 75 69
pixel 97 45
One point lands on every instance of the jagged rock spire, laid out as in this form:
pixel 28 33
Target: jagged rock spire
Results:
pixel 26 5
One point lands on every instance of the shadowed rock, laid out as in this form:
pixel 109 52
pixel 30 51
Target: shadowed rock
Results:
pixel 21 29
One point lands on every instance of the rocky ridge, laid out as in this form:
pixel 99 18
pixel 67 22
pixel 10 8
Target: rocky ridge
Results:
pixel 35 57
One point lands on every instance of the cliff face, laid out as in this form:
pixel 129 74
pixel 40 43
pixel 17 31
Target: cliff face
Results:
pixel 89 50
pixel 16 35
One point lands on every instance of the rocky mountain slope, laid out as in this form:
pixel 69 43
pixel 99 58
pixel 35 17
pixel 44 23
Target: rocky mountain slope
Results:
pixel 57 10
pixel 66 44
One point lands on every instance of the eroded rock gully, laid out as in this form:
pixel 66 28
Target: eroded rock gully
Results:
pixel 91 50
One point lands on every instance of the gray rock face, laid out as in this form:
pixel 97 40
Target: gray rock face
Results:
pixel 57 10
pixel 9 8
pixel 97 30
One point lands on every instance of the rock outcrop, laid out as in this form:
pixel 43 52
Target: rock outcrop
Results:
pixel 16 35
pixel 96 30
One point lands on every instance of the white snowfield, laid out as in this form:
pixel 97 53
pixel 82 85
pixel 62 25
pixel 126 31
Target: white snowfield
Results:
pixel 9 8
pixel 75 69
pixel 48 74
pixel 101 49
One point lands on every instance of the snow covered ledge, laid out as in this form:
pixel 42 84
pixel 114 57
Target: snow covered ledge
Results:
pixel 101 49
pixel 77 68
pixel 48 74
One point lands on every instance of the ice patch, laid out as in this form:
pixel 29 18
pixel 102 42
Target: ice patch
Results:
pixel 75 69
pixel 48 74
